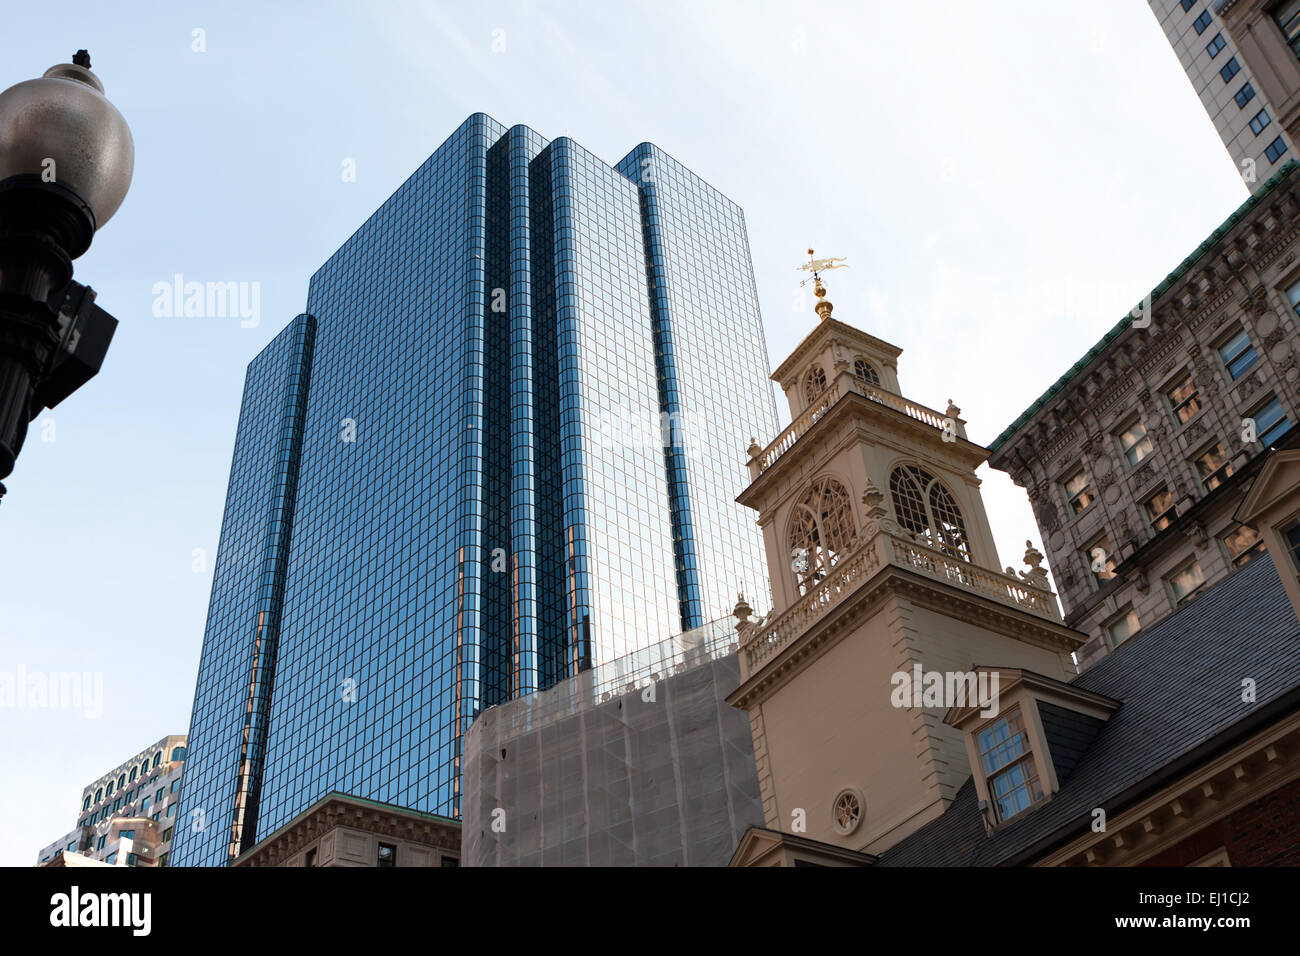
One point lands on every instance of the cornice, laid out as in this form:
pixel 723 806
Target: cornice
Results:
pixel 894 581
pixel 824 331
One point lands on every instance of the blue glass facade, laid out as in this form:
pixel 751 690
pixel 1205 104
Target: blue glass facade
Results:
pixel 502 444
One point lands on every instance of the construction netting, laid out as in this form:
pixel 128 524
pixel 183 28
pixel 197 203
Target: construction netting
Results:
pixel 637 762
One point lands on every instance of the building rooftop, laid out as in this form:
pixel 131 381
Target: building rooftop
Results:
pixel 1224 228
pixel 1181 693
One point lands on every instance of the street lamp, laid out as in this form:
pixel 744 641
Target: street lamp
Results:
pixel 66 158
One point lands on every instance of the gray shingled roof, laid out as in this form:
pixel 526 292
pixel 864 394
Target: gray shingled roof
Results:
pixel 1180 686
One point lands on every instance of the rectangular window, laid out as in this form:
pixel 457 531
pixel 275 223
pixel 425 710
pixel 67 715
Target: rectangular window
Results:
pixel 1077 492
pixel 1291 536
pixel 72 846
pixel 1245 94
pixel 1009 765
pixel 1201 22
pixel 1270 422
pixel 1275 150
pixel 144 805
pixel 1293 296
pixel 387 855
pixel 1287 16
pixel 1258 122
pixel 1134 443
pixel 1242 543
pixel 171 809
pixel 449 861
pixel 311 857
pixel 111 859
pixel 1187 4
pixel 1215 46
pixel 162 859
pixel 1185 583
pixel 1100 560
pixel 1122 627
pixel 157 797
pixel 132 859
pixel 1159 510
pixel 1238 354
pixel 176 785
pixel 167 834
pixel 100 844
pixel 1230 69
pixel 1184 399
pixel 127 834
pixel 1213 467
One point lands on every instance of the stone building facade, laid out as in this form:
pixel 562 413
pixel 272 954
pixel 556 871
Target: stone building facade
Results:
pixel 340 830
pixel 1136 459
pixel 1232 83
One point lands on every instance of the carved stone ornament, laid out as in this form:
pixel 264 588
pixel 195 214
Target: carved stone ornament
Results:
pixel 1036 576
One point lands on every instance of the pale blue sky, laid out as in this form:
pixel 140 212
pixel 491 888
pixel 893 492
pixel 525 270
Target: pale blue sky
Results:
pixel 1005 179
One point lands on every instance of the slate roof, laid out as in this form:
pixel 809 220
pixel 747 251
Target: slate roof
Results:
pixel 1180 687
pixel 1224 228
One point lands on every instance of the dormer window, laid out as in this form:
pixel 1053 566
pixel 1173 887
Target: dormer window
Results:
pixel 1009 765
pixel 863 371
pixel 1026 738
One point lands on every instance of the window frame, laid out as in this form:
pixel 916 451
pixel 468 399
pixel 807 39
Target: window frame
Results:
pixel 1220 474
pixel 1167 515
pixel 1229 363
pixel 1027 757
pixel 1126 451
pixel 1245 555
pixel 1261 432
pixel 1176 406
pixel 1088 557
pixel 1193 593
pixel 1080 472
pixel 1123 616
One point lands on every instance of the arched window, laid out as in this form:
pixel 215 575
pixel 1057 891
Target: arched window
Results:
pixel 815 383
pixel 864 371
pixel 157 757
pixel 178 753
pixel 121 781
pixel 108 791
pixel 85 804
pixel 928 510
pixel 99 794
pixel 821 530
pixel 144 768
pixel 132 780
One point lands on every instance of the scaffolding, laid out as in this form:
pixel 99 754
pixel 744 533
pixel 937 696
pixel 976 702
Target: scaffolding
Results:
pixel 639 761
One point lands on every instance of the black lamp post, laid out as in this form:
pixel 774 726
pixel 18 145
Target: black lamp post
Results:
pixel 66 158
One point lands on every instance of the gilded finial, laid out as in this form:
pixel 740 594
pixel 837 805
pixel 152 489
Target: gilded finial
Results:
pixel 816 266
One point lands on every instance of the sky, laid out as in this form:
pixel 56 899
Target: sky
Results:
pixel 1005 181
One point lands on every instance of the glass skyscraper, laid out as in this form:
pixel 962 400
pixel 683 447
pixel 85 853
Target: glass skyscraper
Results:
pixel 502 444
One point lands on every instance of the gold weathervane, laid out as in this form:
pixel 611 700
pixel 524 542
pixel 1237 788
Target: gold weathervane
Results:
pixel 816 267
